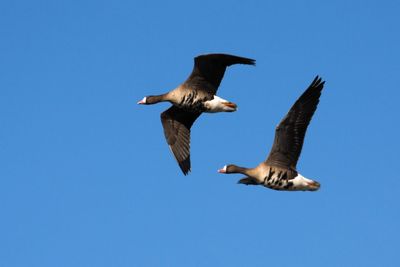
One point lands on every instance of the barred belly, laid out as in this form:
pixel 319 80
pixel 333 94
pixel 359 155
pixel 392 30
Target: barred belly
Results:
pixel 279 179
pixel 193 101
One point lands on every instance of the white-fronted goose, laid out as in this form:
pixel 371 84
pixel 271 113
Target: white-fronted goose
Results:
pixel 279 170
pixel 191 98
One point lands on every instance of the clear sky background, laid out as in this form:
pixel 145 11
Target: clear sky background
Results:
pixel 87 179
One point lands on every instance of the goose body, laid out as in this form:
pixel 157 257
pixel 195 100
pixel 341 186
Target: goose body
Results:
pixel 278 171
pixel 190 99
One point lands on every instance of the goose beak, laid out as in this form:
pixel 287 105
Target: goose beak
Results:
pixel 143 101
pixel 223 170
pixel 230 105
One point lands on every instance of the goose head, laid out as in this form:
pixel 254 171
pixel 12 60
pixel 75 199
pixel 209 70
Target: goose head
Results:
pixel 248 180
pixel 151 99
pixel 231 168
pixel 143 101
pixel 224 169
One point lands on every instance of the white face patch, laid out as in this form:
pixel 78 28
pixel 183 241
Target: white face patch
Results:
pixel 143 101
pixel 223 170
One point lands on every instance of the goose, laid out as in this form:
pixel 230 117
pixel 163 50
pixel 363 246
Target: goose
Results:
pixel 278 171
pixel 190 99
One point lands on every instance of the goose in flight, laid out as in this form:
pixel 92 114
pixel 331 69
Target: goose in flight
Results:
pixel 278 171
pixel 193 97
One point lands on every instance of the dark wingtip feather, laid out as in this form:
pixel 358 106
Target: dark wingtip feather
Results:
pixel 243 60
pixel 248 61
pixel 229 59
pixel 185 166
pixel 317 82
pixel 313 91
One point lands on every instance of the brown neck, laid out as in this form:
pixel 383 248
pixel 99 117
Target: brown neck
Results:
pixel 253 173
pixel 154 99
pixel 237 169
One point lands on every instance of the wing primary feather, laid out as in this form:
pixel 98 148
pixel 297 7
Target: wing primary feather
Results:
pixel 208 71
pixel 290 132
pixel 177 123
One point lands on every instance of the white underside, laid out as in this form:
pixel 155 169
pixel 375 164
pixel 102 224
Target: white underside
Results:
pixel 302 183
pixel 216 105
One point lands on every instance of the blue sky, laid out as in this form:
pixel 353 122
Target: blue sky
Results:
pixel 86 177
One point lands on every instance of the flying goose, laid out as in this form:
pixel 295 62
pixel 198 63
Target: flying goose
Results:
pixel 279 170
pixel 193 97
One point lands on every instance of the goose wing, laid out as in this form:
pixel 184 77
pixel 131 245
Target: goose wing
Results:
pixel 177 123
pixel 289 134
pixel 209 70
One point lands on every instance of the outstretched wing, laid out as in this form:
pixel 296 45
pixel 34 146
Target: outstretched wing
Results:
pixel 289 134
pixel 209 70
pixel 176 123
